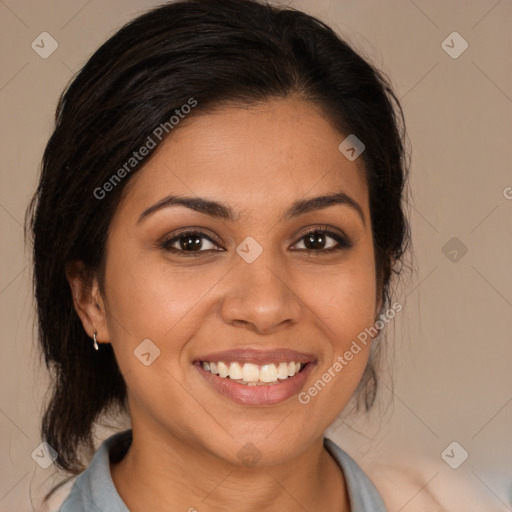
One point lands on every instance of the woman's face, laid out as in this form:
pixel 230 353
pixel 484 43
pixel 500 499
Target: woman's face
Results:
pixel 253 286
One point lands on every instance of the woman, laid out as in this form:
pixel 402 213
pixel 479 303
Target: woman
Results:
pixel 215 230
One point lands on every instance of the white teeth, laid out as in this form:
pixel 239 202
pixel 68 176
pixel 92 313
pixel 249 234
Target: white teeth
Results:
pixel 268 373
pixel 223 369
pixel 253 374
pixel 282 371
pixel 250 372
pixel 235 371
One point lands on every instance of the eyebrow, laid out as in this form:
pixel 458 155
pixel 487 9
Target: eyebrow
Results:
pixel 223 211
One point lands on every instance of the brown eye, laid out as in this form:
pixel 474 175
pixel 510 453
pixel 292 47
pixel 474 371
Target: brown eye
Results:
pixel 321 240
pixel 190 242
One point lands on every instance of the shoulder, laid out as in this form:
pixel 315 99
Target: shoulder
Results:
pixel 93 489
pixel 402 487
pixel 425 486
pixel 412 482
pixel 363 495
pixel 58 496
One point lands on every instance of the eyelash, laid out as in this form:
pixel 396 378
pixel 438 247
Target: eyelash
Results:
pixel 343 242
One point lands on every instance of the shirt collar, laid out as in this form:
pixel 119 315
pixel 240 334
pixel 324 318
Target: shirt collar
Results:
pixel 98 492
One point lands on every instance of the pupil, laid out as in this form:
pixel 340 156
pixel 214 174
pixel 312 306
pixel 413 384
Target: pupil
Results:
pixel 311 240
pixel 191 242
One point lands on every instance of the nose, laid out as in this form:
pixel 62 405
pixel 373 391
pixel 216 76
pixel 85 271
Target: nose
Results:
pixel 260 296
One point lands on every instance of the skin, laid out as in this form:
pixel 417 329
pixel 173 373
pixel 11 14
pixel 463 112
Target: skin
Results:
pixel 257 159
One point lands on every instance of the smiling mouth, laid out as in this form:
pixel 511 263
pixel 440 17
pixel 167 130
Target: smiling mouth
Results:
pixel 250 374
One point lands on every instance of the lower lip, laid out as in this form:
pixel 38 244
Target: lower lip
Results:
pixel 257 395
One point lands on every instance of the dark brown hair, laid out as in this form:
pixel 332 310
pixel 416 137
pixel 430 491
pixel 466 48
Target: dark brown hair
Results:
pixel 214 51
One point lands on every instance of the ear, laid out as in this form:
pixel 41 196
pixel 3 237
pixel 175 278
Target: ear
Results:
pixel 87 300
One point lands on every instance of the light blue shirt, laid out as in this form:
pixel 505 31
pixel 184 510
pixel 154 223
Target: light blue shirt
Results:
pixel 94 490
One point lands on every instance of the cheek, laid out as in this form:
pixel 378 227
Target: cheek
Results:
pixel 343 296
pixel 148 296
pixel 348 303
pixel 344 303
pixel 151 299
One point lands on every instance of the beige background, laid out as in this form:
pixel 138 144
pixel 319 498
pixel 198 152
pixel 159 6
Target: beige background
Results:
pixel 453 341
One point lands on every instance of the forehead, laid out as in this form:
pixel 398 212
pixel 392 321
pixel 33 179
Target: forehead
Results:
pixel 257 158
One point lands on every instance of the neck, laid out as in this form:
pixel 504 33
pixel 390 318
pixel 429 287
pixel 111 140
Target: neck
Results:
pixel 170 474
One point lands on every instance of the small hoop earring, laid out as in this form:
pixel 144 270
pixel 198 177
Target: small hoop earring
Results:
pixel 95 341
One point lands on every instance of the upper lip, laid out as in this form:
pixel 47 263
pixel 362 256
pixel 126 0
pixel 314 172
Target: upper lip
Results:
pixel 250 355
